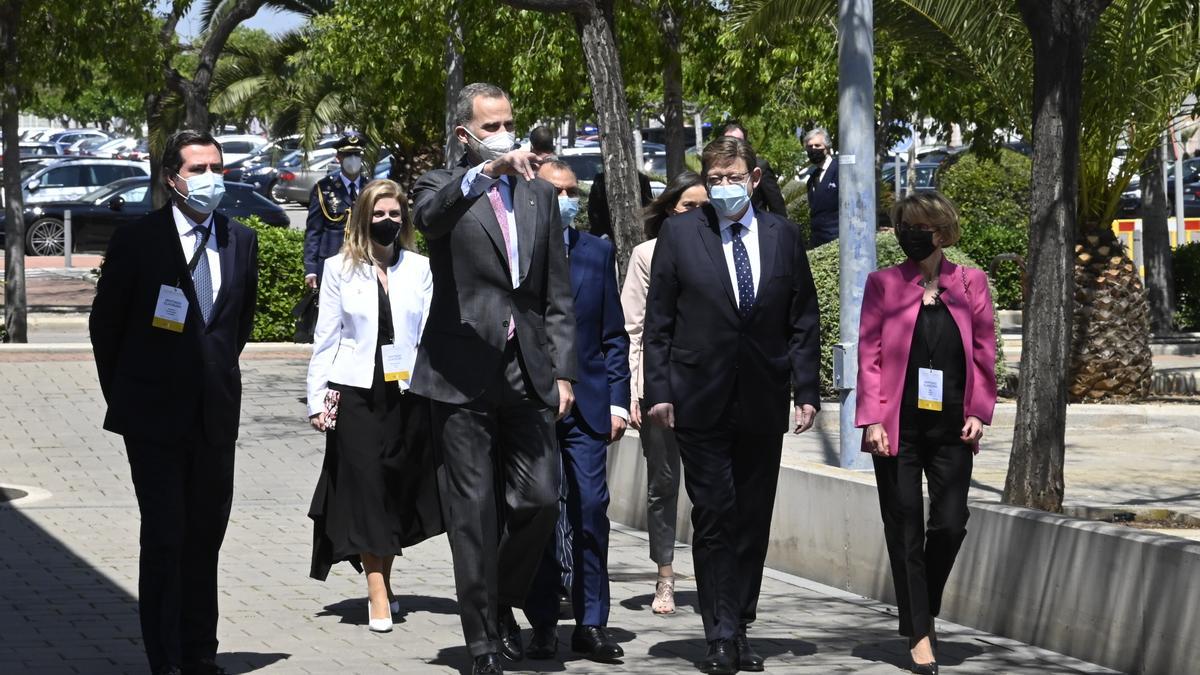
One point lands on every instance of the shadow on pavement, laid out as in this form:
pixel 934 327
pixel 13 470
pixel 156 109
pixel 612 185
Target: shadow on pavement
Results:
pixel 895 652
pixel 693 651
pixel 458 657
pixel 354 611
pixel 683 599
pixel 59 610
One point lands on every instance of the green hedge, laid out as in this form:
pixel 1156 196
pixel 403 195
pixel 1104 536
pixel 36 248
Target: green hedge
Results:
pixel 280 281
pixel 993 198
pixel 1185 263
pixel 825 263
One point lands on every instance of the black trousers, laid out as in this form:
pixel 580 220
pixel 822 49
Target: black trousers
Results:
pixel 184 494
pixel 730 475
pixel 499 496
pixel 923 555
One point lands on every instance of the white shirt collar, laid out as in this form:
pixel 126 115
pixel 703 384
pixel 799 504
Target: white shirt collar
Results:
pixel 185 225
pixel 826 163
pixel 747 220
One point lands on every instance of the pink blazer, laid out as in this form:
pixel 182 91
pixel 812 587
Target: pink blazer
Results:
pixel 889 315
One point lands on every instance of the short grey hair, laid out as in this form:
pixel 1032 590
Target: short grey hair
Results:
pixel 464 107
pixel 818 131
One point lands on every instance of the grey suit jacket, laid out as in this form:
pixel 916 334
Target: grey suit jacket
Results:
pixel 473 297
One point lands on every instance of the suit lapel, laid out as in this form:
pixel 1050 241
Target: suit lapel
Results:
pixel 524 210
pixel 768 247
pixel 578 247
pixel 486 216
pixel 710 235
pixel 226 253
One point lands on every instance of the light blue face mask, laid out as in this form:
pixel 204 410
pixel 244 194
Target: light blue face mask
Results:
pixel 204 192
pixel 568 208
pixel 728 200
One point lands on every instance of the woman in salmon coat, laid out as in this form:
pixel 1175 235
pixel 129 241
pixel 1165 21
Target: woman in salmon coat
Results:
pixel 926 388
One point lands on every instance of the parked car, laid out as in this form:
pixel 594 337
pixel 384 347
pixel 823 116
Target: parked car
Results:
pixel 98 214
pixel 140 152
pixel 70 179
pixel 86 147
pixel 114 147
pixel 38 149
pixel 66 139
pixel 239 146
pixel 296 184
pixel 926 175
pixel 588 162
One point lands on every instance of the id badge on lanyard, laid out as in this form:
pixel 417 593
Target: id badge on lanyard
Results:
pixel 170 312
pixel 929 380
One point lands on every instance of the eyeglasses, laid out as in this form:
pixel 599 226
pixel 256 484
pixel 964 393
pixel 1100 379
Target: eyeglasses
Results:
pixel 714 180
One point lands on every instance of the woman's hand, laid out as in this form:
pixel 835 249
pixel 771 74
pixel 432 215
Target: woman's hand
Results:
pixel 635 415
pixel 972 430
pixel 318 421
pixel 877 440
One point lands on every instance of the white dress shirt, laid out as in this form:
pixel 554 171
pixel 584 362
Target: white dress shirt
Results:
pixel 749 238
pixel 187 241
pixel 824 167
pixel 357 182
pixel 474 184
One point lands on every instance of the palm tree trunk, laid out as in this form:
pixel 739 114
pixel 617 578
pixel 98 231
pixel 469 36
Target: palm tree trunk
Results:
pixel 1156 244
pixel 1059 30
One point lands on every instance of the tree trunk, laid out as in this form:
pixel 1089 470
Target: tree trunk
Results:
pixel 1059 30
pixel 10 122
pixel 671 25
pixel 452 59
pixel 1156 245
pixel 594 23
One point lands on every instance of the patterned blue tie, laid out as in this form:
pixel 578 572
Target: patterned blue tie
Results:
pixel 202 278
pixel 741 266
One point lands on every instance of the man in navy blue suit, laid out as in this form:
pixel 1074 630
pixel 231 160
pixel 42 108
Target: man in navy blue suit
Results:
pixel 599 417
pixel 173 309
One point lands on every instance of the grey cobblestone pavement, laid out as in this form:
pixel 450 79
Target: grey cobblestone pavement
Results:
pixel 68 565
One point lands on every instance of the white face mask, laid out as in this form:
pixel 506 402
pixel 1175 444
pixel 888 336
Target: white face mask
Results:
pixel 204 192
pixel 493 146
pixel 352 165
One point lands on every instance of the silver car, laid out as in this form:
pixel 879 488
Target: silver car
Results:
pixel 70 179
pixel 296 184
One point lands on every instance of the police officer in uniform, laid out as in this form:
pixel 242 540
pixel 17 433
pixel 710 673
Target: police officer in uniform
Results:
pixel 329 207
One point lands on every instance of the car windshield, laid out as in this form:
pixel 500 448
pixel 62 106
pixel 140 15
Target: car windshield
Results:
pixel 98 194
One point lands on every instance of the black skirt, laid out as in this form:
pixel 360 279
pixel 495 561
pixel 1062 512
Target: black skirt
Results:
pixel 377 491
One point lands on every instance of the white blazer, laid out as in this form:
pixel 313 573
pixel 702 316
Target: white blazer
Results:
pixel 347 329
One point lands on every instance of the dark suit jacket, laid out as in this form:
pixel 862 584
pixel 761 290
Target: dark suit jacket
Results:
pixel 473 297
pixel 160 385
pixel 328 209
pixel 699 351
pixel 599 217
pixel 600 337
pixel 823 204
pixel 767 196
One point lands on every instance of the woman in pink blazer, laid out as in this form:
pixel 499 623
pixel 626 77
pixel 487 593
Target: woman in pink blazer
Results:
pixel 926 388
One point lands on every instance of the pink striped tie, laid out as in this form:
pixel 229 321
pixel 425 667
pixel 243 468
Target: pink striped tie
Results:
pixel 502 219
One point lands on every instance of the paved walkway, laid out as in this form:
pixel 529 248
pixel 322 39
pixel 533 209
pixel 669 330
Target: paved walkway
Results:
pixel 69 562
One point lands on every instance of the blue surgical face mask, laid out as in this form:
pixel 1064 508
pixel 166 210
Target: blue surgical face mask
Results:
pixel 568 208
pixel 204 192
pixel 728 200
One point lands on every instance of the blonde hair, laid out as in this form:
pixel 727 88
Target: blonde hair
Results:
pixel 356 247
pixel 929 207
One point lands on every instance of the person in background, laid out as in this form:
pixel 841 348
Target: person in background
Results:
pixel 684 193
pixel 732 334
pixel 541 143
pixel 822 188
pixel 329 206
pixel 767 196
pixel 599 216
pixel 376 493
pixel 599 417
pixel 173 309
pixel 926 388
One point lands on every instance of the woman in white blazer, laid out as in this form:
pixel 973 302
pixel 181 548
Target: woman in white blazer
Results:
pixel 685 193
pixel 374 495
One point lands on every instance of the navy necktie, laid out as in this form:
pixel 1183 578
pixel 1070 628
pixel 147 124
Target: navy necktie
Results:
pixel 741 266
pixel 353 192
pixel 202 278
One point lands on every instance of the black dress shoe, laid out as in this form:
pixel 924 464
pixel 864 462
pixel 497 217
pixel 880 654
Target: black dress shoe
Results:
pixel 168 670
pixel 203 667
pixel 543 644
pixel 721 658
pixel 594 643
pixel 747 658
pixel 488 664
pixel 510 637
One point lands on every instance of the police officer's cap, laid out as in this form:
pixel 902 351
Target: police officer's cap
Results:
pixel 349 143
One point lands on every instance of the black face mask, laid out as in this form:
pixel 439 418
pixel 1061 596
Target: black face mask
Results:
pixel 916 244
pixel 816 156
pixel 383 232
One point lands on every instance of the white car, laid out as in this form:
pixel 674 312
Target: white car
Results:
pixel 587 162
pixel 239 146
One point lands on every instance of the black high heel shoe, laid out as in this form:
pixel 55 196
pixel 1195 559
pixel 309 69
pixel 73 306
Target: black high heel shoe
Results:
pixel 930 668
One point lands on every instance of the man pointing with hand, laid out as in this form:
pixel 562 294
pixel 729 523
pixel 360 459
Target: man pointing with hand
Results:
pixel 497 359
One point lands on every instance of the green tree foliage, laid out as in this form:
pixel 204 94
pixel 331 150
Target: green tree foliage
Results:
pixel 280 281
pixel 1186 263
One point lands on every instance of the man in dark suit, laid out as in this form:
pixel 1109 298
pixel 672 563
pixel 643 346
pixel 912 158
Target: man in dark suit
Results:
pixel 497 359
pixel 600 416
pixel 329 206
pixel 767 196
pixel 731 334
pixel 174 307
pixel 822 188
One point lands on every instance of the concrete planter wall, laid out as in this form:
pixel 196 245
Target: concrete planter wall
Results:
pixel 1122 598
